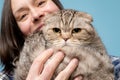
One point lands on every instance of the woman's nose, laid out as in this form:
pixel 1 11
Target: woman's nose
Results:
pixel 37 15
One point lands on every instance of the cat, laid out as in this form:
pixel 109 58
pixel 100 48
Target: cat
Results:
pixel 71 32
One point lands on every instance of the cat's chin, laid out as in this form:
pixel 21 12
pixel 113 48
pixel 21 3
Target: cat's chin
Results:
pixel 62 46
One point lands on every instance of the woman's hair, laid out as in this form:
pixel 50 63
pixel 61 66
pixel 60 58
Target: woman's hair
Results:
pixel 11 38
pixel 57 2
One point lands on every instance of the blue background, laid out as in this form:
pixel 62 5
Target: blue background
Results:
pixel 106 14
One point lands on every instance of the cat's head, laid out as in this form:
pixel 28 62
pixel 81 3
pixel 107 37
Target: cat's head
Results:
pixel 68 28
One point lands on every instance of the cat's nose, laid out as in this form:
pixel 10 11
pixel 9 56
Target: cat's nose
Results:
pixel 66 39
pixel 66 36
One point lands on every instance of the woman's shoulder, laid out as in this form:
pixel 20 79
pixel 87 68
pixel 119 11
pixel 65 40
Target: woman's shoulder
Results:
pixel 115 60
pixel 3 76
pixel 6 76
pixel 116 63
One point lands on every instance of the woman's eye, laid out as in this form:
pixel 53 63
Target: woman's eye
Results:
pixel 23 16
pixel 76 30
pixel 41 3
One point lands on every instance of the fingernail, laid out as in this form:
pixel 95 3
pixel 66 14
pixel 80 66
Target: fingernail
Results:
pixel 75 60
pixel 61 54
pixel 50 49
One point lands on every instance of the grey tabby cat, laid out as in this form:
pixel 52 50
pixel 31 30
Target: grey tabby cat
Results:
pixel 71 32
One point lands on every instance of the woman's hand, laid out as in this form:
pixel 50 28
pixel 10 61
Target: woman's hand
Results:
pixel 39 71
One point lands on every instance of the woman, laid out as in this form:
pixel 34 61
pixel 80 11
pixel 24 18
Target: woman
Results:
pixel 19 18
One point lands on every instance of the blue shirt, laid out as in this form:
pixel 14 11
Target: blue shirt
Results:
pixel 116 63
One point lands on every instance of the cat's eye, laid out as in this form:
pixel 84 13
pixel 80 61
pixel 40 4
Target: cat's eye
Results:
pixel 76 30
pixel 56 30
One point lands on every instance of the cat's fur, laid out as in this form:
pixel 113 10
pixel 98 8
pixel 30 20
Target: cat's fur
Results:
pixel 71 32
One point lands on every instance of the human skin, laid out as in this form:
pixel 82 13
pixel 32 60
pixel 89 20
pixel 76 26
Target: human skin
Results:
pixel 29 15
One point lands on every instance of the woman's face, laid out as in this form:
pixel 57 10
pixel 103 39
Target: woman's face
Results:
pixel 30 13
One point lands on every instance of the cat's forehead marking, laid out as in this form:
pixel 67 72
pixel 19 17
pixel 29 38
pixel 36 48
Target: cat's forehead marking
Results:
pixel 67 16
pixel 66 19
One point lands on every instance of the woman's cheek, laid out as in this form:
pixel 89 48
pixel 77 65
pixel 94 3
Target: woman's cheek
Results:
pixel 25 27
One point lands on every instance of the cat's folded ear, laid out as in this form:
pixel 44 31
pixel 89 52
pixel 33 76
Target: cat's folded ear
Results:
pixel 85 16
pixel 15 61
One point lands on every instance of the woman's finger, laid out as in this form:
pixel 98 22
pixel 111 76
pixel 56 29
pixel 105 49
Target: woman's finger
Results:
pixel 66 73
pixel 79 78
pixel 38 64
pixel 50 67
